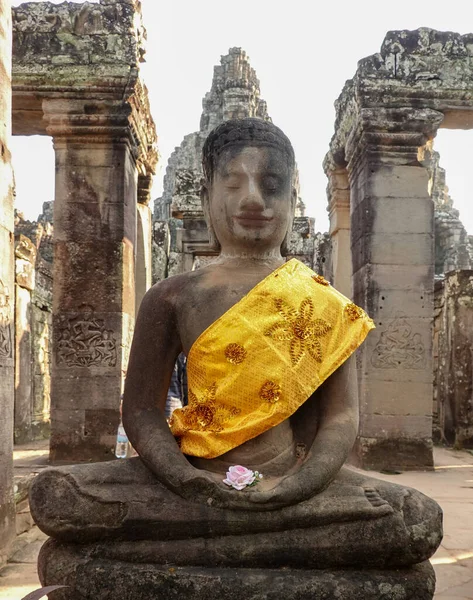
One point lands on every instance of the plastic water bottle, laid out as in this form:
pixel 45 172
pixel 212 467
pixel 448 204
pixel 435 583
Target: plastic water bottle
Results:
pixel 121 448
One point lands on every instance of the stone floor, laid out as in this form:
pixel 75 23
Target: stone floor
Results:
pixel 451 484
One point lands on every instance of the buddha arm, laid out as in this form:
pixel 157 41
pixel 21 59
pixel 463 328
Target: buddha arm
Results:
pixel 333 441
pixel 339 418
pixel 155 347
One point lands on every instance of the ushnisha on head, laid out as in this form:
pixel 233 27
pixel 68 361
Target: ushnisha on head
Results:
pixel 248 193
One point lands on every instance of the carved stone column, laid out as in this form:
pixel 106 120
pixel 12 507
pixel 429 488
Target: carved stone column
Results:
pixel 143 256
pixel 339 211
pixel 25 258
pixel 94 267
pixel 393 257
pixel 7 282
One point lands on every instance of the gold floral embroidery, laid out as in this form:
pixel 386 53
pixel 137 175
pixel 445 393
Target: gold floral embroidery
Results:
pixel 270 391
pixel 206 413
pixel 354 311
pixel 235 354
pixel 300 329
pixel 320 279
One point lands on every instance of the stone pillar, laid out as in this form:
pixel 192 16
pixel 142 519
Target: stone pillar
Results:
pixel 143 257
pixel 25 257
pixel 94 266
pixel 455 360
pixel 339 212
pixel 160 250
pixel 42 341
pixel 393 258
pixel 7 282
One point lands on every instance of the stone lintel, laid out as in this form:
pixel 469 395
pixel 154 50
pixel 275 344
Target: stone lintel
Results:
pixel 422 69
pixel 82 52
pixel 390 136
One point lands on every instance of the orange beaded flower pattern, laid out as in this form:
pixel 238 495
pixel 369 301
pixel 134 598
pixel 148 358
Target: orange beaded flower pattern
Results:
pixel 206 413
pixel 354 311
pixel 235 354
pixel 319 279
pixel 300 329
pixel 270 392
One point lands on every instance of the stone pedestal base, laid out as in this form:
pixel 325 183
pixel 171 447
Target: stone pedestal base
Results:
pixel 101 579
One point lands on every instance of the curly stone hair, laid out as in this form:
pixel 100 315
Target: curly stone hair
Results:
pixel 240 133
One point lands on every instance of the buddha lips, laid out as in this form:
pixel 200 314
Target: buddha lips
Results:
pixel 239 477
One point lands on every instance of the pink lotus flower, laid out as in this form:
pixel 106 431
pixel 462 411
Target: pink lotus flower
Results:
pixel 239 477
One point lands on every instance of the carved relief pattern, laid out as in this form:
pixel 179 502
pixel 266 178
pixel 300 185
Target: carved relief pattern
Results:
pixel 399 347
pixel 6 346
pixel 84 341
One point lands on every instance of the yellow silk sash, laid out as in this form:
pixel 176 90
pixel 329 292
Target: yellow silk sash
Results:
pixel 261 360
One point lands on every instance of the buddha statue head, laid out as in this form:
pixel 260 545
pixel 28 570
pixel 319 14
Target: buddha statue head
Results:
pixel 248 192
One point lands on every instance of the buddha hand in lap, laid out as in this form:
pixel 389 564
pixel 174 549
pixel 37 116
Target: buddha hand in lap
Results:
pixel 271 387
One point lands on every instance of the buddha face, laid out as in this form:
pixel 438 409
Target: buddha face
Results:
pixel 250 201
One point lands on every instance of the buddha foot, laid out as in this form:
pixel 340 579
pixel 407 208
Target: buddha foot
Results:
pixel 90 576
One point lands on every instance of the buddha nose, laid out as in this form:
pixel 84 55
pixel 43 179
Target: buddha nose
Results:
pixel 253 198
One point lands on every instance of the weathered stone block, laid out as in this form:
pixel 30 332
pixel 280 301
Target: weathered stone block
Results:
pixel 394 277
pixel 90 221
pixel 392 215
pixel 384 303
pixel 384 426
pixel 93 273
pixel 91 577
pixel 393 249
pixel 97 390
pixel 304 226
pixel 393 454
pixel 387 181
pixel 386 397
pixel 298 244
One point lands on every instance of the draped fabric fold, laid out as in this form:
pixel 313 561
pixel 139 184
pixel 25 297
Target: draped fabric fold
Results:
pixel 261 360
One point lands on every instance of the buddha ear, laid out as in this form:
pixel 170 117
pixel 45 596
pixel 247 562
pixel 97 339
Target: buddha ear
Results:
pixel 214 244
pixel 285 242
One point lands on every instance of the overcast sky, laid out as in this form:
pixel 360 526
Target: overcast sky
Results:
pixel 302 53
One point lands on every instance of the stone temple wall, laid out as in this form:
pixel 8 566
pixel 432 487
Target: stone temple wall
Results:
pixel 453 245
pixel 7 282
pixel 180 239
pixel 33 327
pixel 453 359
pixel 453 313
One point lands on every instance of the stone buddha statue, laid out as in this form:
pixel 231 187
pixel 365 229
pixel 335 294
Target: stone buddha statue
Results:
pixel 245 490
